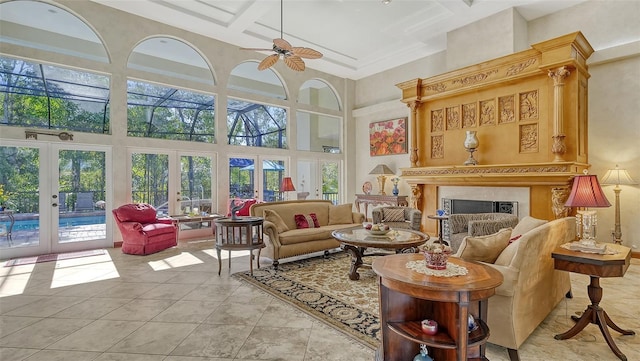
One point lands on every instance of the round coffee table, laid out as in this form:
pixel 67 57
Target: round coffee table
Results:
pixel 357 240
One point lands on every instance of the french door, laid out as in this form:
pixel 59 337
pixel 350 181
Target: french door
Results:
pixel 174 183
pixel 55 198
pixel 257 177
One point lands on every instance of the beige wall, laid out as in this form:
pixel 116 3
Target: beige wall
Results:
pixel 612 29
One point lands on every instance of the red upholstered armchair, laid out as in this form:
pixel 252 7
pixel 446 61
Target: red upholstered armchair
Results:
pixel 142 232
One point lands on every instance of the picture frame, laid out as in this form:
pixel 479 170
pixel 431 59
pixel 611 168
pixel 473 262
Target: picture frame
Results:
pixel 388 137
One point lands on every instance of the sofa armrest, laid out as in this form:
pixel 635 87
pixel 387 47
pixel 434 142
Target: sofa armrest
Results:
pixel 269 228
pixel 358 217
pixel 510 279
pixel 130 227
pixel 164 220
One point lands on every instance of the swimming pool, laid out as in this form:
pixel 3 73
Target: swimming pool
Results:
pixel 34 224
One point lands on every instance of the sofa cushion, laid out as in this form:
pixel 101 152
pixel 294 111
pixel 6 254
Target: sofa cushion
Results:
pixel 155 229
pixel 138 212
pixel 340 214
pixel 525 225
pixel 273 217
pixel 392 215
pixel 306 221
pixel 485 248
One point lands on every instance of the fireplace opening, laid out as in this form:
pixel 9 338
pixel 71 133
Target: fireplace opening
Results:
pixel 466 206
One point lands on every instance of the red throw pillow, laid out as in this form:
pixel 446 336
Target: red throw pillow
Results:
pixel 306 221
pixel 513 239
pixel 244 211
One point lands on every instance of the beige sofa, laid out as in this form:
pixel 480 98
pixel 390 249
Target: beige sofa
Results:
pixel 532 288
pixel 285 239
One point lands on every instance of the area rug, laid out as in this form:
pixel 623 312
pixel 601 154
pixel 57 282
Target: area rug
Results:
pixel 321 288
pixel 53 257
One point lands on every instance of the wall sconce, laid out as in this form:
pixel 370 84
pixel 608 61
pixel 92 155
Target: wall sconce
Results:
pixel 33 134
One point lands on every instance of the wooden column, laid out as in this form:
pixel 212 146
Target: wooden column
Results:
pixel 558 148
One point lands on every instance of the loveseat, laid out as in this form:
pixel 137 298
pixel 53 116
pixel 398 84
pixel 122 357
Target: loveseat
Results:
pixel 398 217
pixel 532 288
pixel 291 230
pixel 476 224
pixel 142 232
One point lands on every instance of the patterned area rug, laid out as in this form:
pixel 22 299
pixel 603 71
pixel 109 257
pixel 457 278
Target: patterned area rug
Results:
pixel 321 287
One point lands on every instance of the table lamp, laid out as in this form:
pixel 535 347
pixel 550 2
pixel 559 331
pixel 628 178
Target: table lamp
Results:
pixel 617 177
pixel 586 192
pixel 287 186
pixel 381 171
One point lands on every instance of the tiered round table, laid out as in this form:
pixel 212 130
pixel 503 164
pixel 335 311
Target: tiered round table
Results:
pixel 242 233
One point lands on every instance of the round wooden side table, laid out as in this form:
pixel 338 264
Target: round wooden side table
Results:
pixel 243 233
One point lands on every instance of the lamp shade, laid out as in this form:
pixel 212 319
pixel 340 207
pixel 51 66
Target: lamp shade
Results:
pixel 586 192
pixel 287 185
pixel 381 169
pixel 618 176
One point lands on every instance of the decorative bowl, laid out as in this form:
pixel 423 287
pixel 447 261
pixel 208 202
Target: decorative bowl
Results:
pixel 378 233
pixel 430 327
pixel 436 259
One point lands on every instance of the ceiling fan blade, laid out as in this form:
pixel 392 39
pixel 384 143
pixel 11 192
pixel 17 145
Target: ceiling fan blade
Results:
pixel 307 53
pixel 257 49
pixel 282 44
pixel 268 62
pixel 294 62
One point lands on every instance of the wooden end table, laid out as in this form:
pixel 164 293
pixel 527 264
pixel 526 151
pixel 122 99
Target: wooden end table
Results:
pixel 242 233
pixel 440 229
pixel 407 297
pixel 596 266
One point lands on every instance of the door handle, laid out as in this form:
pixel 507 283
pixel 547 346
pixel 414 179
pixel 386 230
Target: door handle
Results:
pixel 54 204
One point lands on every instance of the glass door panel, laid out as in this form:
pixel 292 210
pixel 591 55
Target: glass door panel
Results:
pixel 272 174
pixel 81 192
pixel 242 183
pixel 150 180
pixel 308 181
pixel 195 183
pixel 19 199
pixel 331 181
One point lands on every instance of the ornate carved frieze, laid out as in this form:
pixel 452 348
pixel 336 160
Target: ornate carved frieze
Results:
pixel 506 107
pixel 469 115
pixel 437 146
pixel 529 105
pixel 487 112
pixel 439 87
pixel 475 78
pixel 453 117
pixel 528 138
pixel 451 171
pixel 518 68
pixel 437 120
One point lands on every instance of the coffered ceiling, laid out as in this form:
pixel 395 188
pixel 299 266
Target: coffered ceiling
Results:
pixel 357 37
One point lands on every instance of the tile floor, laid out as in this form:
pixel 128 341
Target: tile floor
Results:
pixel 172 306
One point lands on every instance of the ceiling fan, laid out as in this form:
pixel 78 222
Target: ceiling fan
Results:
pixel 291 55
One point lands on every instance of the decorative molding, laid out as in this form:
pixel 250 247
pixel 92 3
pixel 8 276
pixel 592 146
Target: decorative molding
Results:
pixel 528 138
pixel 437 121
pixel 469 115
pixel 487 112
pixel 518 68
pixel 507 169
pixel 476 78
pixel 559 196
pixel 529 105
pixel 453 117
pixel 506 108
pixel 439 87
pixel 416 194
pixel 437 146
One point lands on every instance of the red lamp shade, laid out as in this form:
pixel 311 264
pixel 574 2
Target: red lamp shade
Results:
pixel 287 185
pixel 586 192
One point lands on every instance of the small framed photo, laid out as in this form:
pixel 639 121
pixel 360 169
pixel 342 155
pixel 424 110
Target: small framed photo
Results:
pixel 388 137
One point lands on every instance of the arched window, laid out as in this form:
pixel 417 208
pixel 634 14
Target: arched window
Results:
pixel 168 112
pixel 318 93
pixel 255 124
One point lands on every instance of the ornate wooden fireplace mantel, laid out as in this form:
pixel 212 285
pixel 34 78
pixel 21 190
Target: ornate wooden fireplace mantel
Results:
pixel 529 111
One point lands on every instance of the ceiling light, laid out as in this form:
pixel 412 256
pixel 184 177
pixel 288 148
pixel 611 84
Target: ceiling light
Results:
pixel 386 2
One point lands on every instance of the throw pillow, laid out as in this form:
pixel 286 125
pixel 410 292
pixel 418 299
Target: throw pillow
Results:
pixel 525 225
pixel 340 214
pixel 306 221
pixel 274 217
pixel 485 248
pixel 392 215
